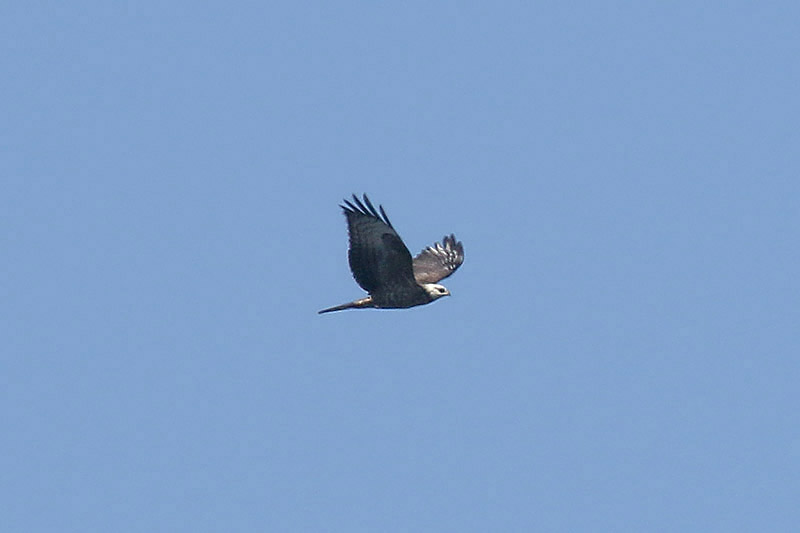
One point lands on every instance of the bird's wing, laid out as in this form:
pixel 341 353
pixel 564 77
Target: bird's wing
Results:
pixel 378 257
pixel 438 261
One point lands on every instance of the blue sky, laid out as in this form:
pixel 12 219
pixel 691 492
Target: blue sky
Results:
pixel 620 352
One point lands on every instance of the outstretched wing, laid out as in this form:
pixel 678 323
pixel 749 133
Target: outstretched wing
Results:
pixel 378 258
pixel 438 261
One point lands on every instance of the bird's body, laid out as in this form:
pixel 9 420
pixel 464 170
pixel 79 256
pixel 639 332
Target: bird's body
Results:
pixel 383 266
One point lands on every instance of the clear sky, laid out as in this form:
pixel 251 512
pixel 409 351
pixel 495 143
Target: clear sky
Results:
pixel 621 351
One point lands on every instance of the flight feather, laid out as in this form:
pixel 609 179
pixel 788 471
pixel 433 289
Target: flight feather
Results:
pixel 437 262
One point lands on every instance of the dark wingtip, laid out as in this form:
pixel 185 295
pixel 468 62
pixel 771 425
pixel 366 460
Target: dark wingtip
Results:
pixel 371 207
pixel 451 242
pixel 361 207
pixel 385 217
pixel 365 207
pixel 349 207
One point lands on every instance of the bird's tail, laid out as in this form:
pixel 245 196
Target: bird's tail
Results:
pixel 337 308
pixel 363 302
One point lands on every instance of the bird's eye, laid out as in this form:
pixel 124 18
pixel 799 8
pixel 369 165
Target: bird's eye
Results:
pixel 441 290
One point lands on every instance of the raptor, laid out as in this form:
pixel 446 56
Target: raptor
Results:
pixel 382 265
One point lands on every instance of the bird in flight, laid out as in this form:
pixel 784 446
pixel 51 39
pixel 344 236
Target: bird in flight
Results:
pixel 383 266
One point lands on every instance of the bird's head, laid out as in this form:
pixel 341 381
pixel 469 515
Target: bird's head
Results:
pixel 435 290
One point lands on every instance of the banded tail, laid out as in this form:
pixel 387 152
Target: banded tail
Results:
pixel 357 304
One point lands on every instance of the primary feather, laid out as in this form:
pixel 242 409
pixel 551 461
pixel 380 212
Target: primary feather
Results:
pixel 437 262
